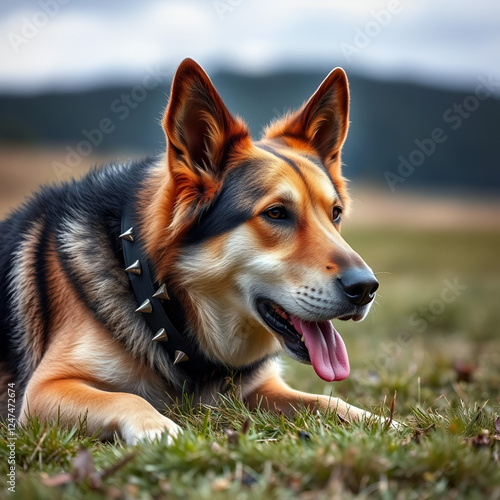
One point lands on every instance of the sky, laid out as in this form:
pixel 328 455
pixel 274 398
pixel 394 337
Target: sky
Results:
pixel 79 44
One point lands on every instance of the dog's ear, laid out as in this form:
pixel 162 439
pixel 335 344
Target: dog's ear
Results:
pixel 200 130
pixel 323 120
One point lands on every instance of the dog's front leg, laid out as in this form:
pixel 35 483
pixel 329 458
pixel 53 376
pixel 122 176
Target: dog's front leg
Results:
pixel 275 395
pixel 67 400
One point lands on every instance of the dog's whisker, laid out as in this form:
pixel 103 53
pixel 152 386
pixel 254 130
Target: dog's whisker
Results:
pixel 202 279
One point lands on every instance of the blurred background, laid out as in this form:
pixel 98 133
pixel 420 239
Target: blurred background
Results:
pixel 82 82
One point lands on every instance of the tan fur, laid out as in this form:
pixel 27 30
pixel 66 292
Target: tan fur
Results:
pixel 84 370
pixel 275 395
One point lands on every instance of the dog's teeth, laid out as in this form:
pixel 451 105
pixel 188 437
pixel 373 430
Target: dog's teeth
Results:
pixel 302 338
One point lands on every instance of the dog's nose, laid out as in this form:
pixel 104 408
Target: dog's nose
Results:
pixel 359 285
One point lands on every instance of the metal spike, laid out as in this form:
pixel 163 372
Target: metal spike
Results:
pixel 145 307
pixel 134 268
pixel 128 235
pixel 180 357
pixel 161 293
pixel 161 335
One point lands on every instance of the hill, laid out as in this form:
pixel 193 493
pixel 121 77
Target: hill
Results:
pixel 402 135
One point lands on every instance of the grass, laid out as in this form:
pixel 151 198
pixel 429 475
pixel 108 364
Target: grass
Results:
pixel 441 357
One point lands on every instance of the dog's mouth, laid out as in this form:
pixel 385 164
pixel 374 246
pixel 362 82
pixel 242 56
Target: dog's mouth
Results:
pixel 315 342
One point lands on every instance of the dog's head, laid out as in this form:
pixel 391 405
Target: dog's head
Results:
pixel 256 226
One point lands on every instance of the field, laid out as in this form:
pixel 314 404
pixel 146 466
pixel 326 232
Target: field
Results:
pixel 432 339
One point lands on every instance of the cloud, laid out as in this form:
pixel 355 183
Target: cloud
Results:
pixel 67 44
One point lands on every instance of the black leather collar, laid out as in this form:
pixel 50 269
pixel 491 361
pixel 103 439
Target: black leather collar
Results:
pixel 165 315
pixel 159 306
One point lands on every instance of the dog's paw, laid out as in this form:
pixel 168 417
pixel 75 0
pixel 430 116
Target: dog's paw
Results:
pixel 357 415
pixel 154 434
pixel 386 422
pixel 394 424
pixel 150 430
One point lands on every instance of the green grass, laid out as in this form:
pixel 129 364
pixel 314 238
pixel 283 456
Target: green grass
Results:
pixel 448 449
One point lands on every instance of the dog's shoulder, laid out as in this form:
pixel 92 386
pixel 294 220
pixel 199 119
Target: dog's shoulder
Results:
pixel 72 226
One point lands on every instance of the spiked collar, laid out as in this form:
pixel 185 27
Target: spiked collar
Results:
pixel 160 308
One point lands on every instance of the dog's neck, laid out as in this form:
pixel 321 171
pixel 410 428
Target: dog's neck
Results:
pixel 158 305
pixel 164 313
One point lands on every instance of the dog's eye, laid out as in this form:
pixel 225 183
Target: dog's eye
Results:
pixel 337 211
pixel 277 213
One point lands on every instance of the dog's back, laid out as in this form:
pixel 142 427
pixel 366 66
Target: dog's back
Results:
pixel 73 223
pixel 237 257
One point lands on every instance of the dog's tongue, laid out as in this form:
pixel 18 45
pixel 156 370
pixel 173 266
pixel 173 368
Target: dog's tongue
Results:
pixel 326 349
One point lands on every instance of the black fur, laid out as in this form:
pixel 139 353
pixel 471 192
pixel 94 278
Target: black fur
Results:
pixel 95 206
pixel 99 199
pixel 233 205
pixel 284 158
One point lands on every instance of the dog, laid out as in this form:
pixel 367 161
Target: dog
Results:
pixel 187 273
